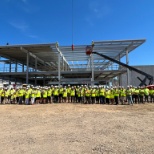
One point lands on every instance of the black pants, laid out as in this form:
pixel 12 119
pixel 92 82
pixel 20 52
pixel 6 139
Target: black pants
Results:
pixel 146 98
pixel 116 98
pixel 102 99
pixel 20 99
pixel 141 99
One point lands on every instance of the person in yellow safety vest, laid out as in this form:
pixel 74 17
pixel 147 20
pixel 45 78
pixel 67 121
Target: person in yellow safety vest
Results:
pixel 30 91
pixel 107 95
pixel 116 95
pixel 69 94
pixel 77 93
pixel 93 95
pixel 82 94
pixel 13 96
pixel 72 94
pixel 52 89
pixel 146 94
pixel 33 95
pixel 49 95
pixel 9 95
pixel 133 92
pixel 64 95
pixel 1 90
pixel 6 94
pixel 129 95
pixel 56 94
pixel 38 95
pixel 27 96
pixel 102 95
pixel 61 94
pixel 21 92
pixel 141 94
pixel 97 95
pixel 136 95
pixel 122 95
pixel 111 98
pixel 87 95
pixel 151 93
pixel 2 95
pixel 44 95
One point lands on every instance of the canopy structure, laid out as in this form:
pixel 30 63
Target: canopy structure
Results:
pixel 52 62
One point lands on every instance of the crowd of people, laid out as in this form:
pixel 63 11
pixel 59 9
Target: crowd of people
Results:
pixel 30 95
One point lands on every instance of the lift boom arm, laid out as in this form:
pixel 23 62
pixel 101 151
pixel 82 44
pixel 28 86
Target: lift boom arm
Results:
pixel 147 76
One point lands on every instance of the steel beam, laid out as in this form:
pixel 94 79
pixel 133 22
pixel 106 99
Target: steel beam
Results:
pixel 27 71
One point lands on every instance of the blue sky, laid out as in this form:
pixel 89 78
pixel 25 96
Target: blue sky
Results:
pixel 48 21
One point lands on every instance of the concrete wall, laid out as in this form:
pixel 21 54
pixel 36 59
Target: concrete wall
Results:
pixel 149 69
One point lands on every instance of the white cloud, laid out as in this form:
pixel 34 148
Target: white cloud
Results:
pixel 32 36
pixel 20 25
pixel 99 9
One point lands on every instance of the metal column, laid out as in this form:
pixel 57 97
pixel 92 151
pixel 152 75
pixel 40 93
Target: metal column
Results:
pixel 59 68
pixel 35 70
pixel 35 64
pixel 23 68
pixel 120 69
pixel 10 66
pixel 16 67
pixel 92 70
pixel 128 72
pixel 27 71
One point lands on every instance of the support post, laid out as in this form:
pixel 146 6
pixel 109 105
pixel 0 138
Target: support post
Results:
pixel 16 67
pixel 27 71
pixel 92 70
pixel 23 68
pixel 128 72
pixel 43 80
pixel 119 69
pixel 35 64
pixel 10 67
pixel 59 68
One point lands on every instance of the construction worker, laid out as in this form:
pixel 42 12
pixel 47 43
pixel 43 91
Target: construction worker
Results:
pixel 69 94
pixel 33 95
pixel 64 95
pixel 151 94
pixel 72 94
pixel 27 96
pixel 111 98
pixel 1 90
pixel 6 94
pixel 38 95
pixel 61 94
pixel 56 94
pixel 82 94
pixel 93 95
pixel 107 95
pixel 141 94
pixel 49 94
pixel 97 95
pixel 146 94
pixel 102 95
pixel 87 95
pixel 122 95
pixel 129 95
pixel 13 96
pixel 116 95
pixel 136 95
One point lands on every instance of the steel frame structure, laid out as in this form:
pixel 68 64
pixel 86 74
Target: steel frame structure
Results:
pixel 53 61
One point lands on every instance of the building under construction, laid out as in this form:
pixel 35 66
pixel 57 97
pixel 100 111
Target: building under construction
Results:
pixel 42 64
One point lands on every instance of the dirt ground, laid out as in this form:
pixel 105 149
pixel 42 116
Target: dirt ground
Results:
pixel 77 129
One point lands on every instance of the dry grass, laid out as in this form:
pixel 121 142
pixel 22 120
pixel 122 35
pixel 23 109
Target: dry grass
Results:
pixel 76 129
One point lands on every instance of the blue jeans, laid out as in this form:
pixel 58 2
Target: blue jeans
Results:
pixel 129 99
